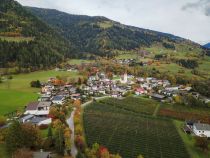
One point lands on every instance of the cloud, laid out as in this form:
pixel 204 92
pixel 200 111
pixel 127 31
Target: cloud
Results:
pixel 201 5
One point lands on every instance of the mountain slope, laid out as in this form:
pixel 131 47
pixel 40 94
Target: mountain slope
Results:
pixel 100 35
pixel 207 45
pixel 26 41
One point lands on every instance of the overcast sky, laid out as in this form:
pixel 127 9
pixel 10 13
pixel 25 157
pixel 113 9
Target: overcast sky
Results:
pixel 186 18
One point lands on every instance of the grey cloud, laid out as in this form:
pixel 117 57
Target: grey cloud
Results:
pixel 202 5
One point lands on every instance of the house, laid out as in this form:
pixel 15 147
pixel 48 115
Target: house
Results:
pixel 140 91
pixel 44 97
pixel 58 99
pixel 201 129
pixel 38 108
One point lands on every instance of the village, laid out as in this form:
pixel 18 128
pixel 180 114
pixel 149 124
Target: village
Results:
pixel 56 92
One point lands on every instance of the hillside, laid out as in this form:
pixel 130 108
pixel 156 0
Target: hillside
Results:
pixel 103 36
pixel 207 45
pixel 26 41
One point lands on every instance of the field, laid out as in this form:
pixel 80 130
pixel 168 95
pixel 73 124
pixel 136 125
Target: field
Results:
pixel 16 93
pixel 16 39
pixel 79 61
pixel 127 132
pixel 137 105
pixel 182 112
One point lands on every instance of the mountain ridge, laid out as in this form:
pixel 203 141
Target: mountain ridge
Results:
pixel 207 45
pixel 100 35
pixel 26 41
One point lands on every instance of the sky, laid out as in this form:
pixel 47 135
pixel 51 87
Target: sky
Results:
pixel 189 19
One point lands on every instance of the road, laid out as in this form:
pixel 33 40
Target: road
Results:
pixel 70 122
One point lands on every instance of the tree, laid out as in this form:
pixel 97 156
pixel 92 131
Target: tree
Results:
pixel 201 142
pixel 31 135
pixel 77 103
pixel 59 137
pixel 14 137
pixel 35 84
pixel 49 134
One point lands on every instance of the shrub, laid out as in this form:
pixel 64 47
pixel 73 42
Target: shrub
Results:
pixel 2 121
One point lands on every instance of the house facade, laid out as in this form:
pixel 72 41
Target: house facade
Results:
pixel 201 129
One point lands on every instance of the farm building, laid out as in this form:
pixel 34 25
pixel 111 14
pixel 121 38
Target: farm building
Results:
pixel 201 130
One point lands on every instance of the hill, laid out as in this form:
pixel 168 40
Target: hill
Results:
pixel 26 41
pixel 103 36
pixel 207 45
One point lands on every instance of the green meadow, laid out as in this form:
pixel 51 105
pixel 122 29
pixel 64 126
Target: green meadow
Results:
pixel 16 93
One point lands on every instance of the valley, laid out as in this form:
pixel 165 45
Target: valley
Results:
pixel 78 86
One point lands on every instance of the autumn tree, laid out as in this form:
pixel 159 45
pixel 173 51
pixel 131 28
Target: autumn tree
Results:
pixel 77 103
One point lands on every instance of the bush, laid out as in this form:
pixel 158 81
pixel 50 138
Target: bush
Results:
pixel 35 84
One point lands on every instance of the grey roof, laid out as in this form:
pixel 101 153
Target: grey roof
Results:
pixel 26 117
pixel 58 97
pixel 202 126
pixel 37 119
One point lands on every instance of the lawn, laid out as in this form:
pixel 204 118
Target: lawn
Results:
pixel 16 93
pixel 12 100
pixel 130 133
pixel 79 61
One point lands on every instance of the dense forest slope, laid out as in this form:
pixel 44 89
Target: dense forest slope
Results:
pixel 26 41
pixel 100 35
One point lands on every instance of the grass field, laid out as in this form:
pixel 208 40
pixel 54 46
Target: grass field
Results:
pixel 79 61
pixel 16 39
pixel 16 93
pixel 127 132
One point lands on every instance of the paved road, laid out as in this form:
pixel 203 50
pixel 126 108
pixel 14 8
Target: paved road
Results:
pixel 70 122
